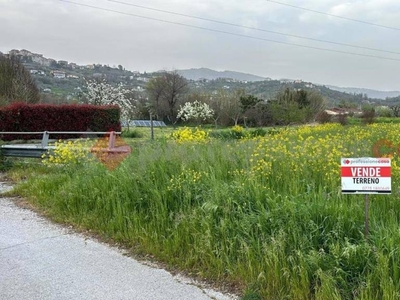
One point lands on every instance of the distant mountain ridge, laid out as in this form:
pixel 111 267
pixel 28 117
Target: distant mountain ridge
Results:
pixel 204 73
pixel 209 74
pixel 371 93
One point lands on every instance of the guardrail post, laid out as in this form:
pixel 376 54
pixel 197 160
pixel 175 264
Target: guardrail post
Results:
pixel 111 141
pixel 45 139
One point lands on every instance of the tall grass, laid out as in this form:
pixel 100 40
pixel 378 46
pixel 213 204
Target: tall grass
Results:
pixel 263 214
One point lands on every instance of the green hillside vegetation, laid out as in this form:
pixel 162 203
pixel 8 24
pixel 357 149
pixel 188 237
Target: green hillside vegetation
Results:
pixel 269 89
pixel 68 89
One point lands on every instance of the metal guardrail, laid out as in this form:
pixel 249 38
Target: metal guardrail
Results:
pixel 37 150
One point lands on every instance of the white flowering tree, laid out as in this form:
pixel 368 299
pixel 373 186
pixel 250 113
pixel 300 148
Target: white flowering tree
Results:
pixel 103 93
pixel 197 111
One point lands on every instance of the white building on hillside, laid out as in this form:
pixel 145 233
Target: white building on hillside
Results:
pixel 59 74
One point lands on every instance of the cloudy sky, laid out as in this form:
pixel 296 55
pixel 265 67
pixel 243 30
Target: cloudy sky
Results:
pixel 151 39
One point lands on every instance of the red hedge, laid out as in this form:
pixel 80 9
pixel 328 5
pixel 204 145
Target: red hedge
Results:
pixel 22 117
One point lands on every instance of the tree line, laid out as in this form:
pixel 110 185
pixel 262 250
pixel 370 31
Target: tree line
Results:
pixel 168 96
pixel 167 93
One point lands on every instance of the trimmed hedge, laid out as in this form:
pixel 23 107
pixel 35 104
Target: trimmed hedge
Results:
pixel 21 117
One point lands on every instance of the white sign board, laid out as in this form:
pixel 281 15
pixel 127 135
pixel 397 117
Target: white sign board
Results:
pixel 366 175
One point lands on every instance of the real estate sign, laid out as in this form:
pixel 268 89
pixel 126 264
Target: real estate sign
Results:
pixel 366 175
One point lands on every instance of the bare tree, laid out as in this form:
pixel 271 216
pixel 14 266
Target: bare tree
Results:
pixel 231 105
pixel 216 102
pixel 165 92
pixel 396 110
pixel 16 83
pixel 156 90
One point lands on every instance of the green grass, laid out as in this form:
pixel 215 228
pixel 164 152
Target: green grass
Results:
pixel 265 215
pixel 378 120
pixel 388 120
pixel 134 133
pixel 144 133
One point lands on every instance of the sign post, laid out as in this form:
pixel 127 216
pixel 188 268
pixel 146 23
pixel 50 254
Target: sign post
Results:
pixel 366 176
pixel 366 208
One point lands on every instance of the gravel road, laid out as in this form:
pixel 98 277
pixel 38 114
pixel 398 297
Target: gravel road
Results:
pixel 41 260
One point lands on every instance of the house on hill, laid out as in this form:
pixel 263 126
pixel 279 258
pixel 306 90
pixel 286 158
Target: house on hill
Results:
pixel 58 74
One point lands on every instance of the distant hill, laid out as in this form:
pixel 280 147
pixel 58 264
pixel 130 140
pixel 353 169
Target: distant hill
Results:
pixel 204 73
pixel 61 81
pixel 371 93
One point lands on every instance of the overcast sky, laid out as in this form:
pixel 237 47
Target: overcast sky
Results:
pixel 65 31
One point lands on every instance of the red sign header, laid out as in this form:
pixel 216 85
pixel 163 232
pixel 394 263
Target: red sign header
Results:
pixel 366 172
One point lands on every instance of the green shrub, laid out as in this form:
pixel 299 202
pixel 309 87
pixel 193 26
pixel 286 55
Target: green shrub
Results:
pixel 258 132
pixel 238 132
pixel 132 134
pixel 221 134
pixel 234 133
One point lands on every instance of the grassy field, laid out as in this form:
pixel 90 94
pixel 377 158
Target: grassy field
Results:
pixel 263 214
pixel 144 133
pixel 378 120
